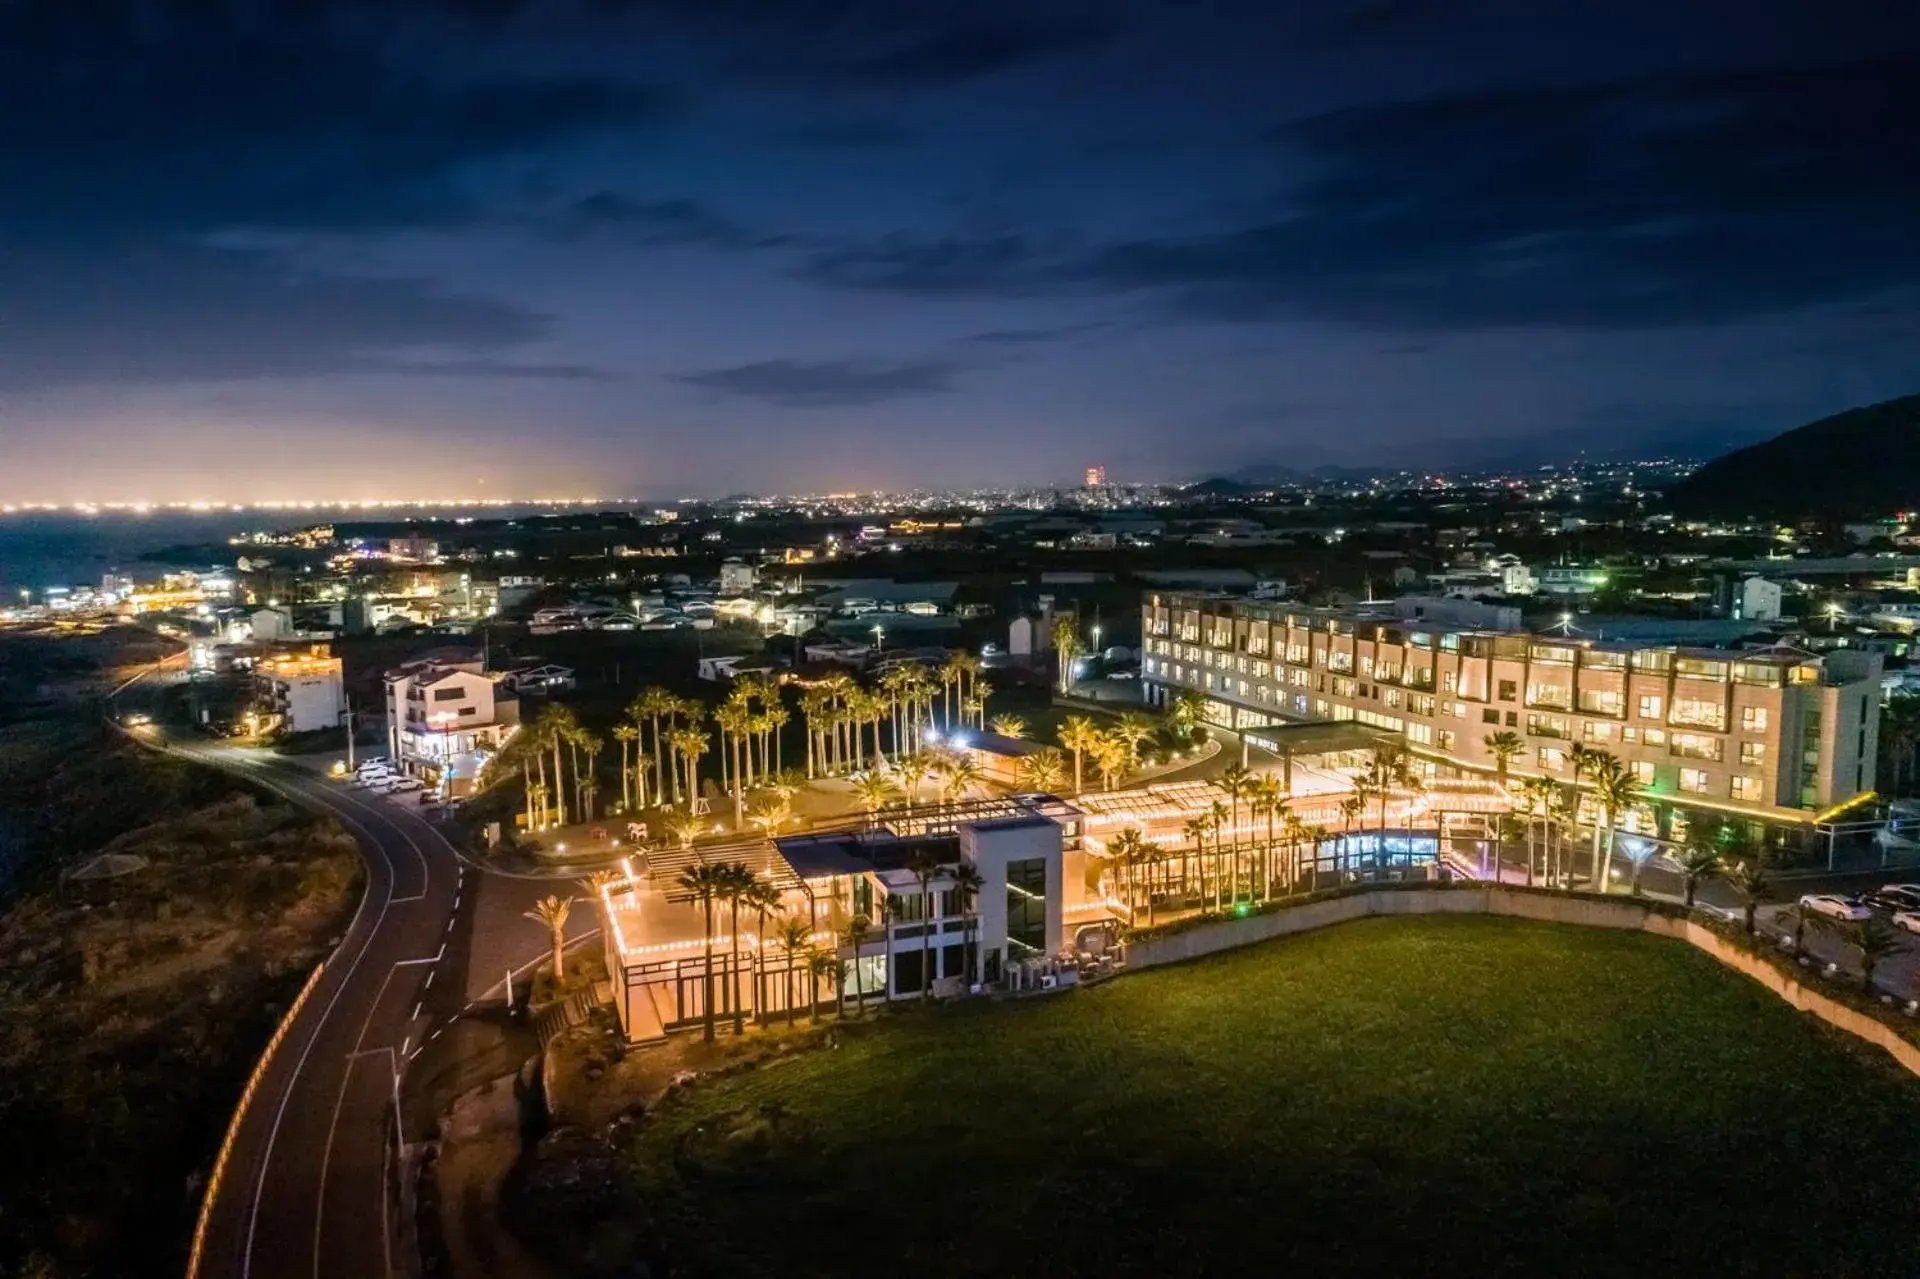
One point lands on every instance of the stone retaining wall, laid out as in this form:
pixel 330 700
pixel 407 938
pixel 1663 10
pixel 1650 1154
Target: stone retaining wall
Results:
pixel 1585 912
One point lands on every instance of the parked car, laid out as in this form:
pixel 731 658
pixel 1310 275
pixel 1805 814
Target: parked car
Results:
pixel 405 784
pixel 1894 897
pixel 1908 920
pixel 1911 890
pixel 1834 906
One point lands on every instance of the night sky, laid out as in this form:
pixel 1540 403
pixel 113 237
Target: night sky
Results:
pixel 308 248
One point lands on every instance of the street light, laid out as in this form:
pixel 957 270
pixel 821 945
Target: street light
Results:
pixel 879 637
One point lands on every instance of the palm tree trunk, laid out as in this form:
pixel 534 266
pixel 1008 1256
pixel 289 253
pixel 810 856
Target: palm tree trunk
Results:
pixel 706 976
pixel 733 974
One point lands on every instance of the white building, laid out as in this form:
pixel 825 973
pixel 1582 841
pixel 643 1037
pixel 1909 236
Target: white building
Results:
pixel 1759 600
pixel 305 691
pixel 737 577
pixel 272 624
pixel 445 719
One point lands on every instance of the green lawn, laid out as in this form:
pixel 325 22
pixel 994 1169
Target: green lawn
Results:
pixel 1393 1096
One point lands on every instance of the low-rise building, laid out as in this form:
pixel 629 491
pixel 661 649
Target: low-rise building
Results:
pixel 446 717
pixel 305 691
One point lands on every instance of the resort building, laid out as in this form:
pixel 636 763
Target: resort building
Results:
pixel 1777 736
pixel 984 894
pixel 445 718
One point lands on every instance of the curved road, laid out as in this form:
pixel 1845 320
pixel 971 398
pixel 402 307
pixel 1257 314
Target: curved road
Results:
pixel 311 1186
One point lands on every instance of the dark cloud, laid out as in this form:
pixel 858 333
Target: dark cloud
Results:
pixel 829 383
pixel 980 47
pixel 661 222
pixel 1034 337
pixel 168 312
pixel 1659 201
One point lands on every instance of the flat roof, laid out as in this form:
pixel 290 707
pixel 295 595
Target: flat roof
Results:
pixel 1013 823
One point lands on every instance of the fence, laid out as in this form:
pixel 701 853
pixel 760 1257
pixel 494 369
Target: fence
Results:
pixel 1588 911
pixel 239 1112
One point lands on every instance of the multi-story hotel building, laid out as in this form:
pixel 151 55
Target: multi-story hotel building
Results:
pixel 1776 735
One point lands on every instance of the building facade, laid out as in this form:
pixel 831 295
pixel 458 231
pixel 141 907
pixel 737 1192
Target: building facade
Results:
pixel 1775 735
pixel 445 720
pixel 305 691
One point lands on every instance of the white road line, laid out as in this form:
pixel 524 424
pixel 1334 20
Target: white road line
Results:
pixel 416 1010
pixel 431 974
pixel 537 959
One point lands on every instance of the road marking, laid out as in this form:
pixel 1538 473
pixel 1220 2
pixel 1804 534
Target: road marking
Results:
pixel 431 974
pixel 416 1010
pixel 537 959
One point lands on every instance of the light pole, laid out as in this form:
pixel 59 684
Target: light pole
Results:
pixel 444 719
pixel 879 638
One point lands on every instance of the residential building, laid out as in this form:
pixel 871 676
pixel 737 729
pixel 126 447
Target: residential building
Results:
pixel 304 691
pixel 1775 735
pixel 445 718
pixel 1759 600
pixel 1570 580
pixel 736 577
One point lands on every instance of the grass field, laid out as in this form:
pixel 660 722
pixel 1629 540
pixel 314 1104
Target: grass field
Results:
pixel 1389 1097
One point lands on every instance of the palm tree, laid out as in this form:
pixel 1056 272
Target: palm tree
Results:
pixel 1237 781
pixel 736 881
pixel 1078 735
pixel 1747 876
pixel 1269 800
pixel 1010 726
pixel 1044 770
pixel 689 744
pixel 873 791
pixel 626 735
pixel 652 703
pixel 1540 795
pixel 794 937
pixel 763 899
pixel 1125 852
pixel 706 884
pixel 851 936
pixel 1503 746
pixel 925 865
pixel 822 966
pixel 967 883
pixel 770 813
pixel 556 725
pixel 1150 857
pixel 914 769
pixel 959 773
pixel 1066 643
pixel 1196 829
pixel 1699 861
pixel 552 912
pixel 1136 730
pixel 1352 808
pixel 1110 758
pixel 1875 941
pixel 1900 735
pixel 1615 789
pixel 1187 712
pixel 686 827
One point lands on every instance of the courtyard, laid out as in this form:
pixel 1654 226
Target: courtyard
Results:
pixel 1394 1096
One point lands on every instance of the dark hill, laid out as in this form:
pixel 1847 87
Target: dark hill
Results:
pixel 1864 462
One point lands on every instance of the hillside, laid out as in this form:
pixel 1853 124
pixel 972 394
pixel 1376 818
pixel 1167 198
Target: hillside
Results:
pixel 1864 462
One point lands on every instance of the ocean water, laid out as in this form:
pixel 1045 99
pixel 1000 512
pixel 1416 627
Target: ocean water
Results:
pixel 41 549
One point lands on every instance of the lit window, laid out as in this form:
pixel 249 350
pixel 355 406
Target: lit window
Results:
pixel 1649 707
pixel 1753 719
pixel 1553 759
pixel 1643 772
pixel 1753 752
pixel 1747 788
pixel 1694 780
pixel 1421 733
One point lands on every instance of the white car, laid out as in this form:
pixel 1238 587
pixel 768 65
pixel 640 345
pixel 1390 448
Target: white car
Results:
pixel 1909 920
pixel 405 784
pixel 1898 890
pixel 1834 906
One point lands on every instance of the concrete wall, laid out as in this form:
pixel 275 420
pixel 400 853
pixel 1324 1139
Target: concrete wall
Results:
pixel 1547 908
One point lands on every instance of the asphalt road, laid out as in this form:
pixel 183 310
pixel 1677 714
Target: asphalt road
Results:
pixel 311 1188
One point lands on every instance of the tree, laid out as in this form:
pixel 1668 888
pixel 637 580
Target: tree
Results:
pixel 959 773
pixel 626 735
pixel 967 883
pixel 1187 711
pixel 1698 863
pixel 1269 800
pixel 1078 735
pixel 1503 746
pixel 851 936
pixel 1539 795
pixel 873 791
pixel 825 966
pixel 1615 789
pixel 915 769
pixel 1900 736
pixel 1875 941
pixel 1236 780
pixel 1747 876
pixel 1010 726
pixel 925 865
pixel 763 899
pixel 686 827
pixel 651 705
pixel 736 881
pixel 556 725
pixel 794 939
pixel 1110 758
pixel 1044 770
pixel 706 884
pixel 1066 643
pixel 1136 730
pixel 552 912
pixel 769 813
pixel 1125 852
